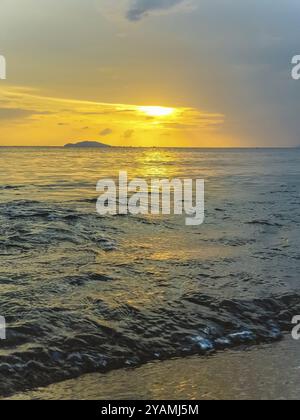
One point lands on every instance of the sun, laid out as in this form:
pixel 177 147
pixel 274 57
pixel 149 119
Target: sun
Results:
pixel 156 111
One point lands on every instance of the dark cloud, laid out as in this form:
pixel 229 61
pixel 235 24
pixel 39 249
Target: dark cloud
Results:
pixel 141 8
pixel 128 134
pixel 180 126
pixel 14 113
pixel 106 132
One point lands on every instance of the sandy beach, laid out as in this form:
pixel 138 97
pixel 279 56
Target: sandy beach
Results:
pixel 263 372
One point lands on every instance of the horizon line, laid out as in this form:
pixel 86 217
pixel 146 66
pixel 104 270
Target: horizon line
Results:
pixel 148 147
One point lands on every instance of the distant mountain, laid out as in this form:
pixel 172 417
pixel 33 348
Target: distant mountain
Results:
pixel 87 144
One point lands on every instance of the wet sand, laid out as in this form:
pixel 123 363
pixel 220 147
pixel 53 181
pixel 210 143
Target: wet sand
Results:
pixel 264 372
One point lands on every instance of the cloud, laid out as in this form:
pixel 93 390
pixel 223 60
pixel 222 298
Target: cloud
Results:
pixel 63 118
pixel 15 113
pixel 128 134
pixel 176 126
pixel 141 8
pixel 106 132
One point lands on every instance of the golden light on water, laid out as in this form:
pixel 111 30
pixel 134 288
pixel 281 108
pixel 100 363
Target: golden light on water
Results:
pixel 156 111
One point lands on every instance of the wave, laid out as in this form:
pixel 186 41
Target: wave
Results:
pixel 197 324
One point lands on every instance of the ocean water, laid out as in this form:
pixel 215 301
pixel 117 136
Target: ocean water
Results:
pixel 83 293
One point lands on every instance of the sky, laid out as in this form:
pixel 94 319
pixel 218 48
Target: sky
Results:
pixel 186 73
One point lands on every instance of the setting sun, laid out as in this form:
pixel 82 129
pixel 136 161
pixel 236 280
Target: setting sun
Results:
pixel 156 111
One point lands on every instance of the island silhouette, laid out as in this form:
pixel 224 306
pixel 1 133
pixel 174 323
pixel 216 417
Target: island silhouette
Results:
pixel 87 144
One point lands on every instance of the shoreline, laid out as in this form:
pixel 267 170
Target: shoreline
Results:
pixel 267 371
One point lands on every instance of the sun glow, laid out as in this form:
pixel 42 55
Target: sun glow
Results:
pixel 156 111
pixel 53 121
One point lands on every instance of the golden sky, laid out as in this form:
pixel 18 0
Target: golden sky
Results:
pixel 186 73
pixel 32 119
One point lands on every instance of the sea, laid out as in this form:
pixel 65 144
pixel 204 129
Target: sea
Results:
pixel 83 293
